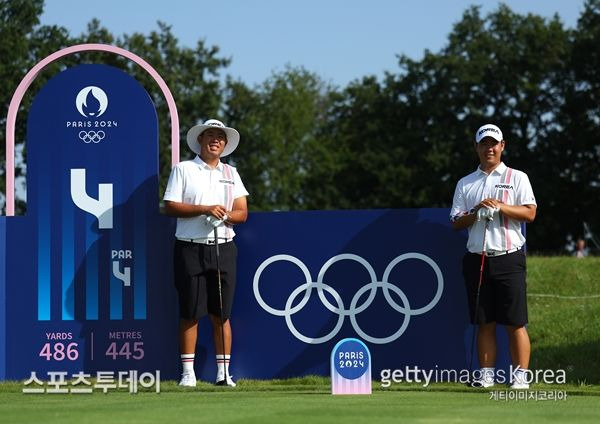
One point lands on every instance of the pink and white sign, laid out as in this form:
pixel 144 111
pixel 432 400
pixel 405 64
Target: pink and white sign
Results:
pixel 350 368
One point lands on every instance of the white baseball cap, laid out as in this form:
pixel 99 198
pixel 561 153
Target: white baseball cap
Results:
pixel 488 130
pixel 233 137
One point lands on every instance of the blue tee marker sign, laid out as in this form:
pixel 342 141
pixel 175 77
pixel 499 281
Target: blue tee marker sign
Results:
pixel 88 273
pixel 350 368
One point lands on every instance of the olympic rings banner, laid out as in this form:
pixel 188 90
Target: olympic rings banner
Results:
pixel 391 278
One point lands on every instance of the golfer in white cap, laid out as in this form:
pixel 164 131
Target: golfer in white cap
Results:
pixel 491 203
pixel 204 194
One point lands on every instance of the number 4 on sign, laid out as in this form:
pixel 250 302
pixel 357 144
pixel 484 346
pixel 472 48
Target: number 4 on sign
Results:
pixel 101 208
pixel 112 351
pixel 124 276
pixel 124 351
pixel 45 352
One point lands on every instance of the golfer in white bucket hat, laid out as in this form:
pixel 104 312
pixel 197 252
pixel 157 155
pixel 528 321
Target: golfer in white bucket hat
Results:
pixel 208 198
pixel 232 136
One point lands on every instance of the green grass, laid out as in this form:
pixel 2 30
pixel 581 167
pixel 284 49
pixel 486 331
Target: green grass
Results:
pixel 564 331
pixel 565 334
pixel 305 400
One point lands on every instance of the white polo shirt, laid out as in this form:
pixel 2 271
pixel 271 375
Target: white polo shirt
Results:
pixel 196 183
pixel 505 184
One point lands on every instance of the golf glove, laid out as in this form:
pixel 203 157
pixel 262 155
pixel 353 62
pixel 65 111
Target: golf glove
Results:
pixel 486 213
pixel 214 221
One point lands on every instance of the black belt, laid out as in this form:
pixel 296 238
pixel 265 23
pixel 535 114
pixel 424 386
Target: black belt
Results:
pixel 204 241
pixel 493 253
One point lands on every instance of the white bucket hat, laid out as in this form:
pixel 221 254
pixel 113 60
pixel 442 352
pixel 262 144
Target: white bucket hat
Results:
pixel 488 130
pixel 233 137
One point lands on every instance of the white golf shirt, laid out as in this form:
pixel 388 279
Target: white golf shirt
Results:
pixel 196 183
pixel 505 184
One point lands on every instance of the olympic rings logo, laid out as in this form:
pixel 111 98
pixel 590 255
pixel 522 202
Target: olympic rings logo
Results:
pixel 354 309
pixel 91 136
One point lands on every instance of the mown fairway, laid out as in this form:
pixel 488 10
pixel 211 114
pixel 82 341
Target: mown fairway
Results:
pixel 306 401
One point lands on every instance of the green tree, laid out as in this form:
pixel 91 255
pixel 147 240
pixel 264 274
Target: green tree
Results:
pixel 500 69
pixel 366 130
pixel 279 125
pixel 23 42
pixel 411 136
pixel 569 157
pixel 396 142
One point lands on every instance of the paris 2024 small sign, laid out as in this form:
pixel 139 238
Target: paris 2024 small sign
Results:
pixel 350 368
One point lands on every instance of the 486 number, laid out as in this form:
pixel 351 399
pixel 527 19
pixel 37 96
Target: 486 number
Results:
pixel 60 351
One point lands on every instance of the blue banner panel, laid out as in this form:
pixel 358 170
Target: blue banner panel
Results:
pixel 392 278
pixel 89 267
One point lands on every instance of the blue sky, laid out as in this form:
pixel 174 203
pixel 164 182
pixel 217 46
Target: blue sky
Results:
pixel 340 40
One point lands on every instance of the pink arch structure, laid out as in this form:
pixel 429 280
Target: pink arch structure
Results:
pixel 32 75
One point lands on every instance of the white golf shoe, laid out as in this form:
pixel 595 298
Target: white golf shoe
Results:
pixel 485 378
pixel 482 382
pixel 519 386
pixel 221 381
pixel 519 382
pixel 188 380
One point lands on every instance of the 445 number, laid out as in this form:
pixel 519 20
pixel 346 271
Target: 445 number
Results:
pixel 127 350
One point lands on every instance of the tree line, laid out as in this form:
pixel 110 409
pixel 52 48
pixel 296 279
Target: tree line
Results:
pixel 398 141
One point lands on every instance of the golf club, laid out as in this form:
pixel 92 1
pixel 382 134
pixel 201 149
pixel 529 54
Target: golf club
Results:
pixel 221 305
pixel 476 312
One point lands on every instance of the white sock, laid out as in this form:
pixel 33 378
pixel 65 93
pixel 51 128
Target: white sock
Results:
pixel 187 361
pixel 222 366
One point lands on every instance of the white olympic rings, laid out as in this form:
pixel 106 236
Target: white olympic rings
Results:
pixel 354 309
pixel 91 136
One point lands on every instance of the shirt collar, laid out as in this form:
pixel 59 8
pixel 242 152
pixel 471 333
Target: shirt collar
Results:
pixel 198 161
pixel 499 169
